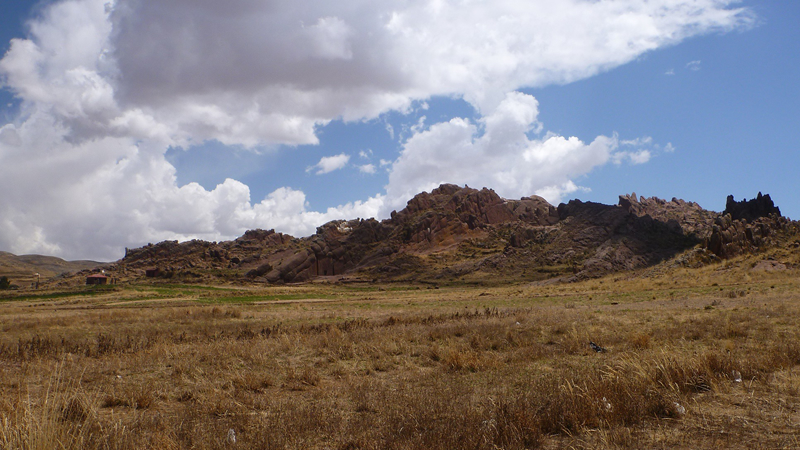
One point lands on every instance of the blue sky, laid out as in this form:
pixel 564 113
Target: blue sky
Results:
pixel 732 121
pixel 696 106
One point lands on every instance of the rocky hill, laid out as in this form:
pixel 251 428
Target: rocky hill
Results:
pixel 459 233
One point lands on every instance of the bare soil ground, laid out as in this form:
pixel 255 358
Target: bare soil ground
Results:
pixel 706 358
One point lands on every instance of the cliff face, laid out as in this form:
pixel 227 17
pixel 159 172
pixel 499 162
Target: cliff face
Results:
pixel 458 232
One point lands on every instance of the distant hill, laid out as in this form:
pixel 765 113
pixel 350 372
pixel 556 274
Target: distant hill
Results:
pixel 22 270
pixel 455 234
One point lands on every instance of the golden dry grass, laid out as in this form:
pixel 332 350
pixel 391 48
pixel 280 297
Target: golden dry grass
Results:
pixel 696 359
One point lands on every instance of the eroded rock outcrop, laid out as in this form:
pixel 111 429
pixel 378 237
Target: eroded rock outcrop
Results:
pixel 690 217
pixel 336 248
pixel 731 237
pixel 615 238
pixel 450 213
pixel 169 259
pixel 454 232
pixel 750 210
pixel 746 227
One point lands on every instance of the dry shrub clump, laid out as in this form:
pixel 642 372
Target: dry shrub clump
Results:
pixel 64 416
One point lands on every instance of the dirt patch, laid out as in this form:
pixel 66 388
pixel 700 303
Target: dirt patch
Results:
pixel 769 266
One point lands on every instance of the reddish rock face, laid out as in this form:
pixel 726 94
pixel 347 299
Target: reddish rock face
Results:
pixel 534 210
pixel 452 231
pixel 688 216
pixel 472 208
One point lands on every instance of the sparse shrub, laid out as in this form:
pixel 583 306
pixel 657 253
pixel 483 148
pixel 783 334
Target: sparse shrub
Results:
pixel 251 381
pixel 435 353
pixel 640 341
pixel 77 408
pixel 619 437
pixel 140 396
pixel 185 396
pixel 736 293
pixel 462 359
pixel 301 380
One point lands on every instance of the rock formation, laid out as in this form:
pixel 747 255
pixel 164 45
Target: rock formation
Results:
pixel 731 237
pixel 458 232
pixel 750 210
pixel 746 227
pixel 194 257
pixel 689 216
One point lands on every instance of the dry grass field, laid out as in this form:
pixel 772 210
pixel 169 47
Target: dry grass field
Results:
pixel 705 358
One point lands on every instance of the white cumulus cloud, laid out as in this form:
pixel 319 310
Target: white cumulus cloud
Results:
pixel 634 157
pixel 502 156
pixel 367 168
pixel 105 88
pixel 328 164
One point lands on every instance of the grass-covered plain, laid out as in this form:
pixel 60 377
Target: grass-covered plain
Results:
pixel 704 358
